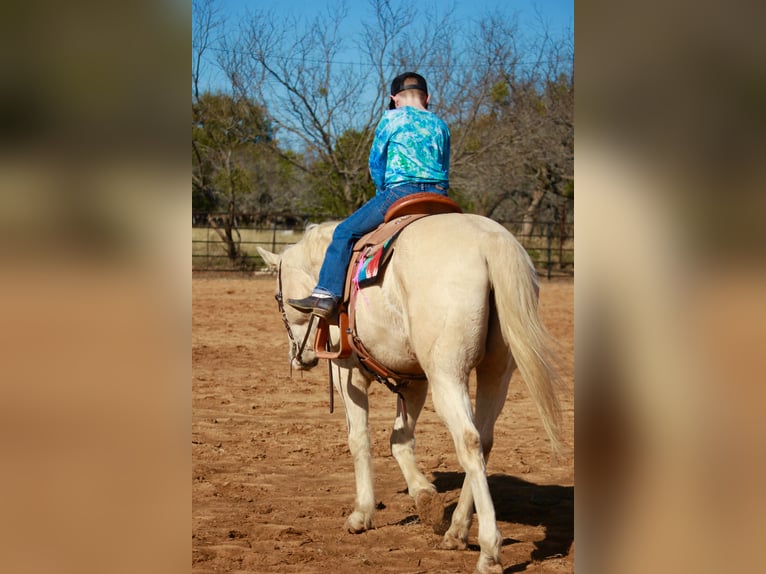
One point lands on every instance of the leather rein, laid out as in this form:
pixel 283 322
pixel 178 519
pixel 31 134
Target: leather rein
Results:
pixel 296 349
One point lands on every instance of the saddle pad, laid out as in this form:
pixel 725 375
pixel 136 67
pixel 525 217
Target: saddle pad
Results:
pixel 371 266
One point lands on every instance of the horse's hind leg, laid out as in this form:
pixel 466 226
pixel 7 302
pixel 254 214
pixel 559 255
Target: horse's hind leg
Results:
pixel 429 503
pixel 453 404
pixel 492 376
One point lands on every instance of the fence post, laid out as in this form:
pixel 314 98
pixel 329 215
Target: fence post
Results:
pixel 207 242
pixel 274 238
pixel 549 241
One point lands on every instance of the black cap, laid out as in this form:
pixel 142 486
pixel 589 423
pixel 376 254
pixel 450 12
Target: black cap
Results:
pixel 414 82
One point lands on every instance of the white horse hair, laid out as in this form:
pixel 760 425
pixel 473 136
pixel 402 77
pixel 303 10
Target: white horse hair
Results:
pixel 460 293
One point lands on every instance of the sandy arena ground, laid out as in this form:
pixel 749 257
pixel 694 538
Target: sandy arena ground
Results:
pixel 273 478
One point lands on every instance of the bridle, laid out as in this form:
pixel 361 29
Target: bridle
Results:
pixel 296 349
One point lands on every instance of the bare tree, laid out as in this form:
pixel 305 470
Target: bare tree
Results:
pixel 513 141
pixel 207 23
pixel 311 99
pixel 506 97
pixel 322 102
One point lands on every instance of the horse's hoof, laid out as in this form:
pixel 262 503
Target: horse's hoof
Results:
pixel 488 566
pixel 450 542
pixel 430 507
pixel 358 523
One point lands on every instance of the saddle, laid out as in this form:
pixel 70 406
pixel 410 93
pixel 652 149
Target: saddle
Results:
pixel 368 261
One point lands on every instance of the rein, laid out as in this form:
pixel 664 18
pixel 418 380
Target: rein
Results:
pixel 296 350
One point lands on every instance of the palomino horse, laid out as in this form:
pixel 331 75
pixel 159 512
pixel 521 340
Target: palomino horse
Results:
pixel 459 293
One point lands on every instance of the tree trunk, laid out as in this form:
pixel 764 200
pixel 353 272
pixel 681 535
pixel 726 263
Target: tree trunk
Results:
pixel 529 214
pixel 229 234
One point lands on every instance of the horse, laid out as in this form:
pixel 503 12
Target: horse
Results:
pixel 459 293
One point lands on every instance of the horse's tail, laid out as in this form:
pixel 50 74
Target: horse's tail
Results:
pixel 515 286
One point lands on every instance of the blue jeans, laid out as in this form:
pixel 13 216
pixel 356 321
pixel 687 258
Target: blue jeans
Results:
pixel 332 276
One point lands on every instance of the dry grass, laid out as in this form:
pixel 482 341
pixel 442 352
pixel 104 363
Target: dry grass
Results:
pixel 206 242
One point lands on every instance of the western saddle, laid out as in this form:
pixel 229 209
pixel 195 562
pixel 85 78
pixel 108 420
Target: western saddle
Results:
pixel 374 249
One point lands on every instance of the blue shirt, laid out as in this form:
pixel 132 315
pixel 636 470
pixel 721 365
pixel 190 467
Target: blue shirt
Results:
pixel 410 146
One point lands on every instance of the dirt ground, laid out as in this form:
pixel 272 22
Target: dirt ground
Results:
pixel 273 479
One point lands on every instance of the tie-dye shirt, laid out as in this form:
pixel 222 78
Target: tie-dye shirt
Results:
pixel 410 146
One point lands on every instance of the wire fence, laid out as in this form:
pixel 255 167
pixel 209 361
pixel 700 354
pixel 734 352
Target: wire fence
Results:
pixel 218 247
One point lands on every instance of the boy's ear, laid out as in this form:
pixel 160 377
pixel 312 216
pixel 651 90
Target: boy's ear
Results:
pixel 428 100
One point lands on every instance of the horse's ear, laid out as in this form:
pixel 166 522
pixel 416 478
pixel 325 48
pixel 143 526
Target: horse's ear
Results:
pixel 271 259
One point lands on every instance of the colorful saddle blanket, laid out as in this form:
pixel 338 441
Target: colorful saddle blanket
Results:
pixel 371 265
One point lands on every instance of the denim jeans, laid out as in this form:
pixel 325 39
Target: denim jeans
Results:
pixel 332 276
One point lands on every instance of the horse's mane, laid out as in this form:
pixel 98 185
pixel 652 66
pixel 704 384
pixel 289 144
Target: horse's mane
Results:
pixel 314 242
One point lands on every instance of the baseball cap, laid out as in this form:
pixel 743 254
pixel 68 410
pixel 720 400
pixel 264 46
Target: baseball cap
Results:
pixel 413 82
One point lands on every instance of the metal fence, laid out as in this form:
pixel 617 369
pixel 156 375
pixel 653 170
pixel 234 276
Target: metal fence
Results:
pixel 550 244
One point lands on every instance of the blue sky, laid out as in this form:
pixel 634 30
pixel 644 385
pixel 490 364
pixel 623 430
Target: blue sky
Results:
pixel 557 15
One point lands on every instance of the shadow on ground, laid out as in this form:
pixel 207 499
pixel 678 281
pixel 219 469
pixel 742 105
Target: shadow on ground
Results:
pixel 522 502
